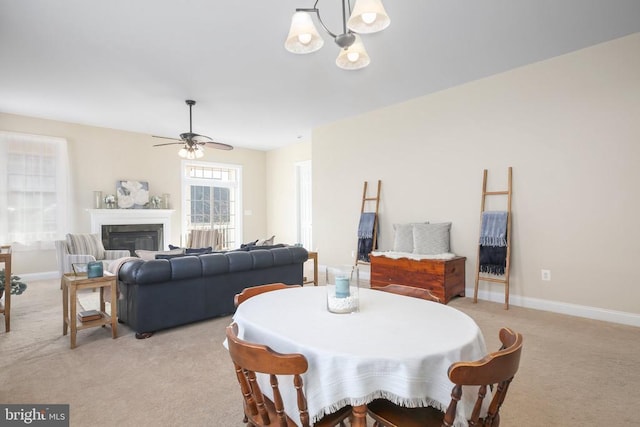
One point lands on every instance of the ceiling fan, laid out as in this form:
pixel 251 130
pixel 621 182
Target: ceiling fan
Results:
pixel 193 143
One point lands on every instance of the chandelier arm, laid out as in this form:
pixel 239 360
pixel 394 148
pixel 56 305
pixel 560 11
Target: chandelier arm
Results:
pixel 317 12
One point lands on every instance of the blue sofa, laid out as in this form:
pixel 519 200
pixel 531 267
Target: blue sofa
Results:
pixel 163 293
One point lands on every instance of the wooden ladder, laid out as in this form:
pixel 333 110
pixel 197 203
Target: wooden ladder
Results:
pixel 366 199
pixel 505 279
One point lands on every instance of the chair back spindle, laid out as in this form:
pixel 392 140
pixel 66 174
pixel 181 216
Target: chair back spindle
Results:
pixel 250 359
pixel 495 370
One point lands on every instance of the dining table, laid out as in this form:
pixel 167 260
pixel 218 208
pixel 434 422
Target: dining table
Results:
pixel 394 347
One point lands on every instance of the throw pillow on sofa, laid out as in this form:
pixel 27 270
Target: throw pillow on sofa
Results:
pixel 193 251
pixel 246 245
pixel 266 242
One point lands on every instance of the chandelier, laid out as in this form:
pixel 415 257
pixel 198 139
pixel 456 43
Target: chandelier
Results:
pixel 368 16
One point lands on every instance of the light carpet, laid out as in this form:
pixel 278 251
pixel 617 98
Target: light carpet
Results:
pixel 574 372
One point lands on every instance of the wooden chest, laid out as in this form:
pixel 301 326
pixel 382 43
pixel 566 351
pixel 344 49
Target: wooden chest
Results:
pixel 444 278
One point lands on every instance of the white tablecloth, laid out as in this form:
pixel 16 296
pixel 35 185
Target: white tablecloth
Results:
pixel 395 347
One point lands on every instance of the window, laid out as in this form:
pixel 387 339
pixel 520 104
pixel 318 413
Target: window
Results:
pixel 34 190
pixel 201 202
pixel 211 201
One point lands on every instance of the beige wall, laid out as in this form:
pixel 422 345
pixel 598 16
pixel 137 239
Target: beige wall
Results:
pixel 569 128
pixel 98 157
pixel 281 188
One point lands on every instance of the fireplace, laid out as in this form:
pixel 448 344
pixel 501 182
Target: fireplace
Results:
pixel 133 236
pixel 132 228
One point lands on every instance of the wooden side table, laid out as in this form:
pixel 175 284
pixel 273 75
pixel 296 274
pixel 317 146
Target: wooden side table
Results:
pixel 5 257
pixel 314 257
pixel 70 285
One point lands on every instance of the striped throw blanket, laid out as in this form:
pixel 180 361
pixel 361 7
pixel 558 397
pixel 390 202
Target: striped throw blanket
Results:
pixel 365 235
pixel 493 242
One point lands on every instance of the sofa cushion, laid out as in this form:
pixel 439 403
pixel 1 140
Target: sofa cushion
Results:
pixel 85 244
pixel 185 267
pixel 213 264
pixel 239 261
pixel 262 258
pixel 284 256
pixel 145 272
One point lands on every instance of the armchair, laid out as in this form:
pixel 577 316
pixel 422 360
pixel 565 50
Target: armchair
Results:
pixel 83 248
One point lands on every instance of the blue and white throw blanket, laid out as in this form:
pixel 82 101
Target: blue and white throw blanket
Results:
pixel 493 242
pixel 365 235
pixel 494 229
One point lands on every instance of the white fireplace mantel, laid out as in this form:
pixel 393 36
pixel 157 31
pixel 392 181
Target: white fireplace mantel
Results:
pixel 100 217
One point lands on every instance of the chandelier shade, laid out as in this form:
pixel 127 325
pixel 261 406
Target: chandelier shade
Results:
pixel 353 57
pixel 368 16
pixel 303 36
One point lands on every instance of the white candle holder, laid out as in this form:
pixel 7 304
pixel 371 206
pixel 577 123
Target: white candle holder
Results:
pixel 342 289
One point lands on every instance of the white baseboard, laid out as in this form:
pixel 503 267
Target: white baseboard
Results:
pixel 595 313
pixel 588 312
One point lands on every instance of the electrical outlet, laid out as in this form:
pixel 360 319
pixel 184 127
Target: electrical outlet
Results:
pixel 353 254
pixel 546 275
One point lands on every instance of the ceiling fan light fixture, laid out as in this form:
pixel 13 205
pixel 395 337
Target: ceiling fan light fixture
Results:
pixel 368 16
pixel 354 57
pixel 303 36
pixel 191 152
pixel 192 143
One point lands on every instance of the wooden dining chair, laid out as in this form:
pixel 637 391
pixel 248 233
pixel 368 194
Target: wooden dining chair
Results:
pixel 496 370
pixel 257 290
pixel 260 411
pixel 409 291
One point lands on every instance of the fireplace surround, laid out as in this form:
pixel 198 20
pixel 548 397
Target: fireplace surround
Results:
pixel 133 236
pixel 148 229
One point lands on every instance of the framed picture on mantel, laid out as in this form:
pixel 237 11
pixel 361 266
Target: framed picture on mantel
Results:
pixel 132 194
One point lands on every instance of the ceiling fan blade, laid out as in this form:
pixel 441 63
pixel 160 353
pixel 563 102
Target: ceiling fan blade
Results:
pixel 190 139
pixel 168 143
pixel 164 137
pixel 205 140
pixel 200 139
pixel 219 145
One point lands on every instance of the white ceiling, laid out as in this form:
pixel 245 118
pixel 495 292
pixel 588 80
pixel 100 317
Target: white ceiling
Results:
pixel 130 64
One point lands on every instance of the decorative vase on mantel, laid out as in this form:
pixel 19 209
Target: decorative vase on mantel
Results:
pixel 97 199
